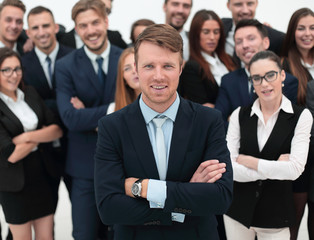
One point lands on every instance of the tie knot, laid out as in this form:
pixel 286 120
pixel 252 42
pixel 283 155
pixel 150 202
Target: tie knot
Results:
pixel 48 59
pixel 99 61
pixel 159 121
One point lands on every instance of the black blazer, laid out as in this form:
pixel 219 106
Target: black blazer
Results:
pixel 12 174
pixel 194 87
pixel 124 150
pixel 114 37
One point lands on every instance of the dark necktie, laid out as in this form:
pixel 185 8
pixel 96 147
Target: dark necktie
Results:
pixel 48 59
pixel 100 73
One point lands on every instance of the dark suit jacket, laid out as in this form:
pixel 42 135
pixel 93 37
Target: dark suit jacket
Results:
pixel 114 37
pixel 234 92
pixel 275 37
pixel 34 75
pixel 75 76
pixel 12 175
pixel 124 150
pixel 194 87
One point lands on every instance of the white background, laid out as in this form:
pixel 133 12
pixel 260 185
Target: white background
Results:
pixel 125 12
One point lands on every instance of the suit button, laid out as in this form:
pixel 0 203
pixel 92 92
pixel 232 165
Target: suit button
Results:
pixel 180 210
pixel 176 209
pixel 260 183
pixel 158 222
pixel 257 194
pixel 189 211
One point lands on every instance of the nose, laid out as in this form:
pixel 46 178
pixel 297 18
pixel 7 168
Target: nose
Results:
pixel 180 8
pixel 245 43
pixel 158 74
pixel 245 8
pixel 90 29
pixel 211 35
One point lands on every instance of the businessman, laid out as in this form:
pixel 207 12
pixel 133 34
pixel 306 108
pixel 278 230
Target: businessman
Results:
pixel 162 168
pixel 86 80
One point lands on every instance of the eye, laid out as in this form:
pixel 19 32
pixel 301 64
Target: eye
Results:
pixel 168 66
pixel 256 78
pixel 205 31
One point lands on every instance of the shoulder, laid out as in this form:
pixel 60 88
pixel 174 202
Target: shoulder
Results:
pixel 28 56
pixel 234 76
pixel 115 50
pixel 71 57
pixel 227 21
pixel 65 49
pixel 274 32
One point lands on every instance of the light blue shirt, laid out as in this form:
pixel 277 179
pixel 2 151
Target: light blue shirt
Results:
pixel 157 189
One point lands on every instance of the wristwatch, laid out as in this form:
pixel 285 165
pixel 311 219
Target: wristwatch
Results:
pixel 137 188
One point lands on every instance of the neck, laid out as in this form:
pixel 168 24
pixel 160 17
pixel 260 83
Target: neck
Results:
pixel 268 108
pixel 10 94
pixel 49 50
pixel 306 56
pixel 8 44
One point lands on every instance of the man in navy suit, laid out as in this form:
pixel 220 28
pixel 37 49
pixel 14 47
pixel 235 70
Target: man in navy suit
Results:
pixel 39 73
pixel 250 37
pixel 86 80
pixel 164 182
pixel 245 9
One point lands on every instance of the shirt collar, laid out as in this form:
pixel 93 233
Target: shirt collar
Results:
pixel 42 56
pixel 212 60
pixel 149 114
pixel 306 65
pixel 14 46
pixel 92 56
pixel 285 105
pixel 19 94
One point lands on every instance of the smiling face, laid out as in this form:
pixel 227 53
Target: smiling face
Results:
pixel 268 92
pixel 158 70
pixel 8 85
pixel 242 9
pixel 209 37
pixel 304 34
pixel 11 25
pixel 177 12
pixel 92 29
pixel 42 31
pixel 249 41
pixel 129 73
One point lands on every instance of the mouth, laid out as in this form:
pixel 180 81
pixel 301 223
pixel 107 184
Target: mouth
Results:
pixel 92 39
pixel 267 91
pixel 158 87
pixel 307 41
pixel 248 54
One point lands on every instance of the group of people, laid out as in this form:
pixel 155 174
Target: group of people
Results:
pixel 163 137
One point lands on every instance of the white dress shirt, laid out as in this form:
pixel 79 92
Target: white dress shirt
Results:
pixel 217 68
pixel 309 67
pixel 14 47
pixel 229 47
pixel 42 59
pixel 186 50
pixel 105 55
pixel 276 170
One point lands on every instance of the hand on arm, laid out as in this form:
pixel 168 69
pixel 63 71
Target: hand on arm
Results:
pixel 209 171
pixel 209 105
pixel 21 150
pixel 284 157
pixel 248 161
pixel 77 103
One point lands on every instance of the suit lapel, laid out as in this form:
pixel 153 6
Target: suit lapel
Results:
pixel 137 127
pixel 10 115
pixel 182 130
pixel 244 88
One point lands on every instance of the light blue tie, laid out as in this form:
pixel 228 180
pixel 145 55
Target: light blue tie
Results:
pixel 48 59
pixel 161 148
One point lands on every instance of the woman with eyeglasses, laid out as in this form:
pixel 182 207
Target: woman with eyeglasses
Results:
pixel 27 128
pixel 268 144
pixel 298 59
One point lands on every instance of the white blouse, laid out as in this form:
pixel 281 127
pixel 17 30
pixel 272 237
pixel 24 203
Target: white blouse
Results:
pixel 217 68
pixel 21 110
pixel 279 170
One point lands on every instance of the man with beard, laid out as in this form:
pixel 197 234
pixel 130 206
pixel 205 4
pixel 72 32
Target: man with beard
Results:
pixel 177 13
pixel 86 81
pixel 245 9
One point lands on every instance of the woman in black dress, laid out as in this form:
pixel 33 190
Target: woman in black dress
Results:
pixel 27 128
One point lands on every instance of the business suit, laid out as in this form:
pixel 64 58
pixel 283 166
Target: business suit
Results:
pixel 114 38
pixel 18 181
pixel 33 74
pixel 194 86
pixel 234 91
pixel 76 77
pixel 124 150
pixel 275 38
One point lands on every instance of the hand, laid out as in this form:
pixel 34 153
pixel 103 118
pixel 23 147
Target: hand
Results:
pixel 209 171
pixel 209 105
pixel 22 138
pixel 28 46
pixel 128 186
pixel 77 103
pixel 284 157
pixel 248 161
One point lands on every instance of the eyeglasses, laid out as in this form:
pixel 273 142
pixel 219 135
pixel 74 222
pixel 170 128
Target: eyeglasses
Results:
pixel 7 72
pixel 269 77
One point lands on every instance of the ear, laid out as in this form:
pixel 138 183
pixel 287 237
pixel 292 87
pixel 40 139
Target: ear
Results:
pixel 266 43
pixel 57 28
pixel 228 5
pixel 164 7
pixel 283 75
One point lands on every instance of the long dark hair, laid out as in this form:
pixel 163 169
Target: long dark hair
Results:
pixel 5 53
pixel 293 55
pixel 194 41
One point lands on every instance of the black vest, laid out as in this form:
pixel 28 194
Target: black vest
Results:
pixel 265 203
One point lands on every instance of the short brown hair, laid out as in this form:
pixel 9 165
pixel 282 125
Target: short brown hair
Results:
pixel 140 22
pixel 162 35
pixel 84 5
pixel 14 3
pixel 39 10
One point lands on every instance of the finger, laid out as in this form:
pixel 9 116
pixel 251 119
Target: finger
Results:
pixel 212 174
pixel 214 179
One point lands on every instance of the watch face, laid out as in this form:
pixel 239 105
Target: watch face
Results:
pixel 135 189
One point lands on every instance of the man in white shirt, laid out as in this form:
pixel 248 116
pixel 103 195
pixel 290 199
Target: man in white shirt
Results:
pixel 11 24
pixel 177 13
